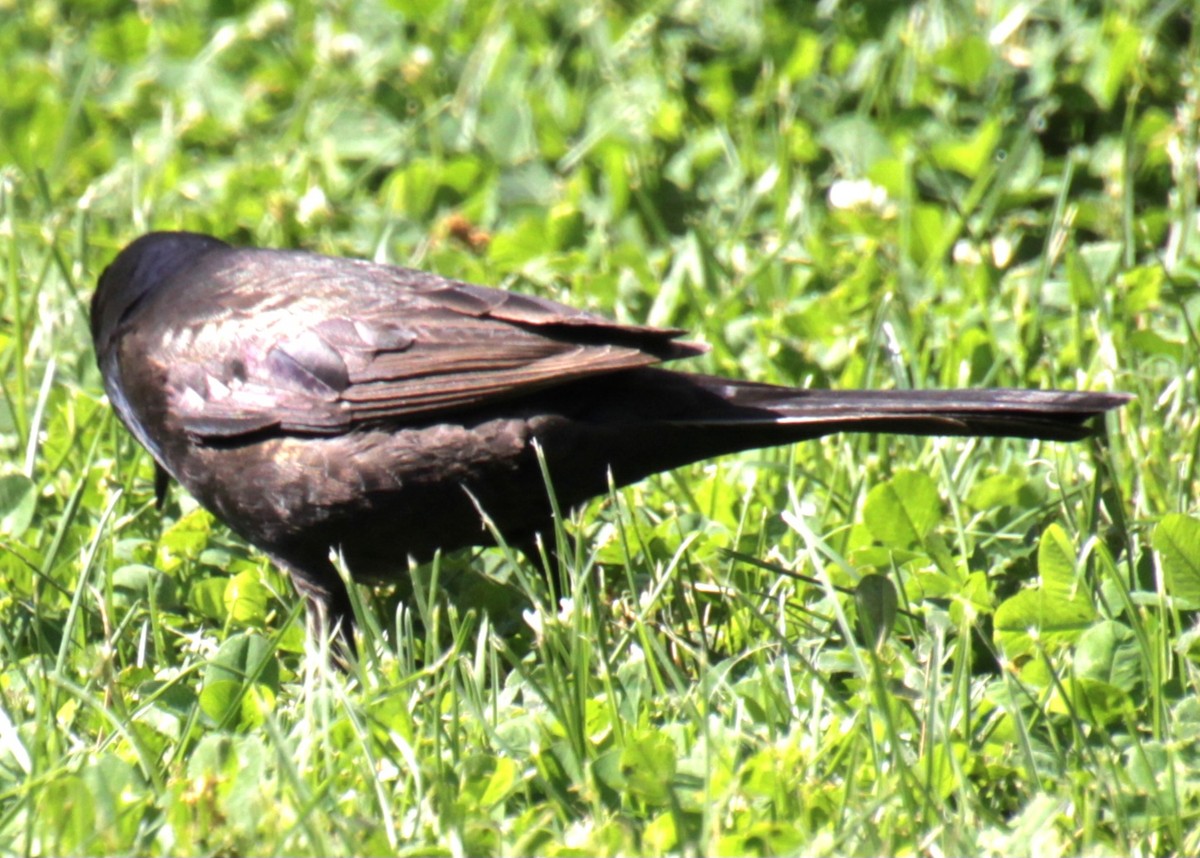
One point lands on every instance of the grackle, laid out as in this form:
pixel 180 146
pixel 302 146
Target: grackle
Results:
pixel 317 404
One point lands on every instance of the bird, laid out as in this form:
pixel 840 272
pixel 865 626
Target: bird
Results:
pixel 323 406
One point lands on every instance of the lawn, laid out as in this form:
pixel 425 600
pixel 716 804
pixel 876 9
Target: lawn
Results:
pixel 859 645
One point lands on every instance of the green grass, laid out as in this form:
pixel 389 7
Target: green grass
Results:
pixel 874 194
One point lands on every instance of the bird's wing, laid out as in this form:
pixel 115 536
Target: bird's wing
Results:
pixel 366 344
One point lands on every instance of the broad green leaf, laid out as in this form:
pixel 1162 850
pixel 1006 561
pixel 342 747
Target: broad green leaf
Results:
pixel 1149 765
pixel 1034 618
pixel 972 599
pixel 501 782
pixel 969 155
pixel 138 581
pixel 1092 700
pixel 805 59
pixel 71 817
pixel 1054 613
pixel 244 677
pixel 207 597
pixel 1140 289
pixel 929 234
pixel 856 141
pixel 1153 343
pixel 242 657
pixel 185 539
pixel 1108 652
pixel 257 703
pixel 1114 61
pixel 219 697
pixel 1056 564
pixel 1177 540
pixel 648 766
pixel 942 768
pixel 875 598
pixel 662 835
pixel 763 838
pixel 966 61
pixel 902 511
pixel 18 499
pixel 246 598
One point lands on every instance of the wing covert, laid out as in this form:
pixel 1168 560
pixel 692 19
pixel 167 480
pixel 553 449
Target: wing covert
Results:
pixel 357 344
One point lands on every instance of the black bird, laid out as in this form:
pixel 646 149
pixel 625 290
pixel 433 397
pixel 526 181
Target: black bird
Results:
pixel 314 403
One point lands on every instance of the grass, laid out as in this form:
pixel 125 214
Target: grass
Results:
pixel 853 646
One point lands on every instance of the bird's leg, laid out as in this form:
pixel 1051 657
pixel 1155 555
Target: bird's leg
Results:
pixel 162 482
pixel 330 616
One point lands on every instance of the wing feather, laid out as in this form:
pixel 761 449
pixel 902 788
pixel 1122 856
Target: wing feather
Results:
pixel 308 344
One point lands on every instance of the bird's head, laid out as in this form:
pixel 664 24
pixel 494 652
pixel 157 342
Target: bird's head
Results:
pixel 139 271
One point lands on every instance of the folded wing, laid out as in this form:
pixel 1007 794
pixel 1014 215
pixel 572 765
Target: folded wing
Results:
pixel 348 344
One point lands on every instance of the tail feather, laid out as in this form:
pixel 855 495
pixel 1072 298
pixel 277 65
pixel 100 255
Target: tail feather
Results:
pixel 1053 415
pixel 643 421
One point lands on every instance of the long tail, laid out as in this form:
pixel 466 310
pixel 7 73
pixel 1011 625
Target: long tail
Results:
pixel 1053 415
pixel 635 423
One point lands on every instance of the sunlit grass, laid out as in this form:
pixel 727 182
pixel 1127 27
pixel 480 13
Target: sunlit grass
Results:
pixel 932 195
